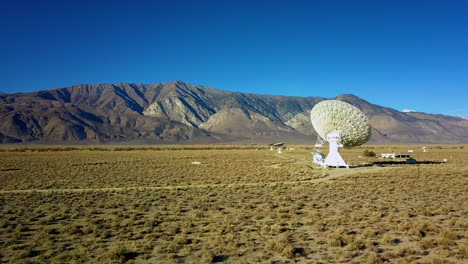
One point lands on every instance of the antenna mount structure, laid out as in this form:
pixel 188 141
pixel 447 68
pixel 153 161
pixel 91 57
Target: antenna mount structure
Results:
pixel 334 158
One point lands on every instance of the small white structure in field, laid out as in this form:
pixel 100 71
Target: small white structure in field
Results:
pixel 196 162
pixel 424 148
pixel 388 155
pixel 444 160
pixel 279 146
pixel 410 151
pixel 341 124
pixel 318 157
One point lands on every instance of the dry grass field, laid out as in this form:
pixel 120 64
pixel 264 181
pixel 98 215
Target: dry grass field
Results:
pixel 234 205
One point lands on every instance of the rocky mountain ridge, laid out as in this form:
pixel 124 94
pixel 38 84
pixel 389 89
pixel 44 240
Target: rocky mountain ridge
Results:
pixel 178 112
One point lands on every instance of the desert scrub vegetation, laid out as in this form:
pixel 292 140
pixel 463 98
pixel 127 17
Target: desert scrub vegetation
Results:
pixel 368 153
pixel 139 168
pixel 406 214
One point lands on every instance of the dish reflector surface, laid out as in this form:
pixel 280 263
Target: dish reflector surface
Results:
pixel 333 115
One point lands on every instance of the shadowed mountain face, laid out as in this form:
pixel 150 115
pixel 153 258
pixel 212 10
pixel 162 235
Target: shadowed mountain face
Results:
pixel 179 112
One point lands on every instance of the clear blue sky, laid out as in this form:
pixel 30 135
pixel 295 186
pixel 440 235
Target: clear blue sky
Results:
pixel 401 54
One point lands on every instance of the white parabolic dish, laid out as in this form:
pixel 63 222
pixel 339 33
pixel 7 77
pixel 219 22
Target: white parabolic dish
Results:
pixel 337 116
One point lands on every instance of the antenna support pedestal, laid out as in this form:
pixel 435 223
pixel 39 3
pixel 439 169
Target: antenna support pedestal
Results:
pixel 334 158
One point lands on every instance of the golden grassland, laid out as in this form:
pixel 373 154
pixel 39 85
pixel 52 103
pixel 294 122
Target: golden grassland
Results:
pixel 240 204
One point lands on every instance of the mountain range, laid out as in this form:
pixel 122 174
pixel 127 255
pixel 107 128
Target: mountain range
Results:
pixel 178 112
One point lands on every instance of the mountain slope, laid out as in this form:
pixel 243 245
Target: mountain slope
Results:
pixel 180 112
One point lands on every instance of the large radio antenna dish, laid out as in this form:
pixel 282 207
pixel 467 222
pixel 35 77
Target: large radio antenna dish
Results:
pixel 340 124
